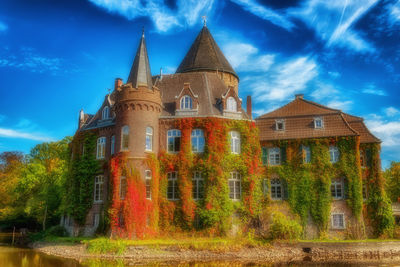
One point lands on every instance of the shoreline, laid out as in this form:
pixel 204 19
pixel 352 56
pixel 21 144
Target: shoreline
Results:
pixel 277 253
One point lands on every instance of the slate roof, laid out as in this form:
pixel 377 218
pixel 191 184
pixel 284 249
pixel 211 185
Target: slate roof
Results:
pixel 299 123
pixel 140 73
pixel 206 85
pixel 204 54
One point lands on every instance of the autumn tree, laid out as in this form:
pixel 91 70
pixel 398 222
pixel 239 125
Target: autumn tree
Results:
pixel 392 176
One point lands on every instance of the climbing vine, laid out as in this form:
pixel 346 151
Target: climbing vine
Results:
pixel 82 169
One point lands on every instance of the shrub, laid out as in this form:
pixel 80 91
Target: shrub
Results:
pixel 283 227
pixel 106 245
pixel 57 230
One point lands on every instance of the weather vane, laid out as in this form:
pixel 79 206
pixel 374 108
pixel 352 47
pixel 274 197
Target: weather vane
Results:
pixel 204 20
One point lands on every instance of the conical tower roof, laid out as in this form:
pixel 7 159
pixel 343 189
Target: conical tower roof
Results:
pixel 140 72
pixel 204 54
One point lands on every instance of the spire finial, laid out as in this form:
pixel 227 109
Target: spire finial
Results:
pixel 204 20
pixel 143 32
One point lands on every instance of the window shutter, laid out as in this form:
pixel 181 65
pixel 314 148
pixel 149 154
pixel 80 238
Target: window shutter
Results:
pixel 285 189
pixel 368 157
pixel 264 156
pixel 345 188
pixel 283 154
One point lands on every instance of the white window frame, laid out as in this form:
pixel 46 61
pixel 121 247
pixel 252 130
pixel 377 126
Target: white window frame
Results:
pixel 339 227
pixel 334 154
pixel 125 135
pixel 274 156
pixel 101 147
pixel 98 188
pixel 105 114
pixel 231 104
pixel 235 142
pixel 336 185
pixel 318 123
pixel 173 178
pixel 280 122
pixel 198 140
pixel 235 186
pixel 112 144
pixel 121 190
pixel 149 139
pixel 173 134
pixel 186 102
pixel 198 186
pixel 276 189
pixel 306 153
pixel 148 179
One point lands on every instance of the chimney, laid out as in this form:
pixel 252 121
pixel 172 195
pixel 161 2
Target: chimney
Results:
pixel 299 96
pixel 248 107
pixel 81 118
pixel 118 83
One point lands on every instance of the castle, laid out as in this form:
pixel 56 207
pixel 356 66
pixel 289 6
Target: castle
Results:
pixel 178 152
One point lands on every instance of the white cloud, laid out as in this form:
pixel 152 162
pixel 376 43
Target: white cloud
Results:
pixel 11 133
pixel 394 13
pixel 391 111
pixel 3 27
pixel 342 105
pixel 188 12
pixel 372 90
pixel 334 21
pixel 387 131
pixel 245 57
pixel 265 13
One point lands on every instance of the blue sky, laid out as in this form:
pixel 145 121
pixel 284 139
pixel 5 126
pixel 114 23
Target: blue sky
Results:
pixel 57 57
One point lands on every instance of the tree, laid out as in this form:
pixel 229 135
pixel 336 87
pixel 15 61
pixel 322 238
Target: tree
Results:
pixel 392 176
pixel 40 186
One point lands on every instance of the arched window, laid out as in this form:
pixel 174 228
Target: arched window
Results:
pixel 186 102
pixel 235 187
pixel 105 113
pixel 101 148
pixel 235 142
pixel 149 139
pixel 174 140
pixel 198 141
pixel 276 189
pixel 231 104
pixel 125 138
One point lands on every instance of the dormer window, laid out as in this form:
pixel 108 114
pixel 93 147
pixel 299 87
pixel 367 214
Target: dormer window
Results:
pixel 105 113
pixel 231 104
pixel 280 125
pixel 318 123
pixel 186 102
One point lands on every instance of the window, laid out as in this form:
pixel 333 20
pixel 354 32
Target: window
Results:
pixel 280 125
pixel 147 174
pixel 235 142
pixel 186 102
pixel 197 141
pixel 174 141
pixel 334 154
pixel 106 113
pixel 264 155
pixel 337 189
pixel 364 191
pixel 338 221
pixel 198 186
pixel 265 187
pixel 98 188
pixel 276 189
pixel 125 138
pixel 96 220
pixel 149 139
pixel 306 153
pixel 318 123
pixel 101 148
pixel 363 161
pixel 172 188
pixel 122 187
pixel 274 156
pixel 231 104
pixel 113 145
pixel 234 186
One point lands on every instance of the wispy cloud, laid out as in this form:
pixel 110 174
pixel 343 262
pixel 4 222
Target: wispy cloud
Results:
pixel 372 90
pixel 188 12
pixel 391 111
pixel 334 21
pixel 265 13
pixel 331 96
pixel 245 57
pixel 11 133
pixel 3 27
pixel 393 13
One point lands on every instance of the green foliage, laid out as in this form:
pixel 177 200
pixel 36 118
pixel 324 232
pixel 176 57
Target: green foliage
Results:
pixel 106 245
pixel 283 227
pixel 392 177
pixel 80 182
pixel 57 230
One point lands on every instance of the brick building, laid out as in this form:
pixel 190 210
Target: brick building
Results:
pixel 148 114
